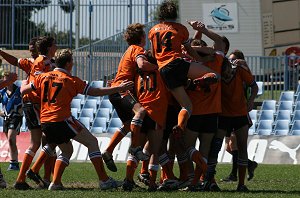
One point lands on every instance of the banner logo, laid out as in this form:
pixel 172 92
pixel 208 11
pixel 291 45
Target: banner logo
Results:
pixel 275 144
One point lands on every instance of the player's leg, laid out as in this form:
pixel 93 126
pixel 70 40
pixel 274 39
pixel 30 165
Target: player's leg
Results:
pixel 12 137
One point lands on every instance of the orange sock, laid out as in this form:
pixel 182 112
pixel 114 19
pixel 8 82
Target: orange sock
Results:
pixel 168 171
pixel 60 165
pixel 183 117
pixel 49 167
pixel 130 167
pixel 153 173
pixel 97 161
pixel 135 127
pixel 144 168
pixel 28 157
pixel 40 161
pixel 201 166
pixel 115 139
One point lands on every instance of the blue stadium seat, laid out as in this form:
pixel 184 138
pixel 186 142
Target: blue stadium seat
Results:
pixel 285 105
pixel 252 129
pixel 287 96
pixel 74 112
pixel 253 114
pixel 266 115
pixel 114 114
pixel 87 112
pixel 105 103
pixel 100 122
pixel 296 116
pixel 97 130
pixel 103 112
pixel 76 103
pixel 81 97
pixel 97 98
pixel 282 127
pixel 85 121
pixel 91 103
pixel 283 115
pixel 295 129
pixel 264 127
pixel 97 83
pixel 269 105
pixel 297 104
pixel 115 122
pixel 297 91
pixel 112 129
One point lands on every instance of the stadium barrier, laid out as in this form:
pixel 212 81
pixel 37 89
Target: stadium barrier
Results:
pixel 262 149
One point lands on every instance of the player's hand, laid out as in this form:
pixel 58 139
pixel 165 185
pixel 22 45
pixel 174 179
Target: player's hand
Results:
pixel 126 85
pixel 109 82
pixel 197 25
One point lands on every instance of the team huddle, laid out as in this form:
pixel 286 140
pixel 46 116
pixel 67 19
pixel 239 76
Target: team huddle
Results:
pixel 167 98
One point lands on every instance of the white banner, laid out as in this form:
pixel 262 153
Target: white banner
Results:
pixel 221 17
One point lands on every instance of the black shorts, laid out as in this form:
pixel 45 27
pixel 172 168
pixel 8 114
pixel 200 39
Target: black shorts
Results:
pixel 231 124
pixel 148 124
pixel 123 107
pixel 32 115
pixel 174 74
pixel 12 123
pixel 61 132
pixel 171 121
pixel 203 123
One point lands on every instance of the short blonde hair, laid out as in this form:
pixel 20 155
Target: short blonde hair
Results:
pixel 62 57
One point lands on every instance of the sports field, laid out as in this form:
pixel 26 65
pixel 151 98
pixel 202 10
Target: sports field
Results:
pixel 80 180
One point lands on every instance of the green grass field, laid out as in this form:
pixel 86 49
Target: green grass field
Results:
pixel 80 180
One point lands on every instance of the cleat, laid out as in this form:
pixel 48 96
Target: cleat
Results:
pixel 53 186
pixel 144 178
pixel 184 184
pixel 13 166
pixel 36 178
pixel 214 187
pixel 108 159
pixel 242 188
pixel 22 186
pixel 138 153
pixel 128 185
pixel 251 169
pixel 230 178
pixel 109 184
pixel 152 188
pixel 3 183
pixel 168 185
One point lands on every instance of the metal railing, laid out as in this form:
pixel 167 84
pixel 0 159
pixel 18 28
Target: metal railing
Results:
pixel 73 23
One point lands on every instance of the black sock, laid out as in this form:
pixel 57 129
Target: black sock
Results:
pixel 234 163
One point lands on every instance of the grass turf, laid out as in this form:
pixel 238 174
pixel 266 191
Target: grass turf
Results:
pixel 80 180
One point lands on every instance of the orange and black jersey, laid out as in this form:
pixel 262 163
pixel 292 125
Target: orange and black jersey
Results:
pixel 234 102
pixel 57 89
pixel 166 39
pixel 41 65
pixel 26 64
pixel 127 68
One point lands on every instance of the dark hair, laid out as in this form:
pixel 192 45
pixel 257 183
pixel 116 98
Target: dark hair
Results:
pixel 197 42
pixel 44 43
pixel 133 34
pixel 62 57
pixel 33 41
pixel 239 54
pixel 167 10
pixel 227 44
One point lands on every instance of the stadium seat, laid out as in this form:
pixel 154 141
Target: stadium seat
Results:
pixel 283 115
pixel 285 105
pixel 264 127
pixel 297 104
pixel 114 114
pixel 97 130
pixel 97 98
pixel 85 121
pixel 76 103
pixel 103 112
pixel 91 103
pixel 295 129
pixel 106 104
pixel 252 129
pixel 296 116
pixel 100 122
pixel 97 83
pixel 253 114
pixel 81 97
pixel 115 122
pixel 269 105
pixel 266 115
pixel 260 85
pixel 297 91
pixel 87 112
pixel 74 112
pixel 112 129
pixel 287 96
pixel 282 127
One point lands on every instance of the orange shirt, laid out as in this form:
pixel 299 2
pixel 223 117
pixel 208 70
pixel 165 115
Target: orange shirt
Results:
pixel 208 103
pixel 166 39
pixel 57 90
pixel 152 95
pixel 41 64
pixel 26 64
pixel 127 68
pixel 234 102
